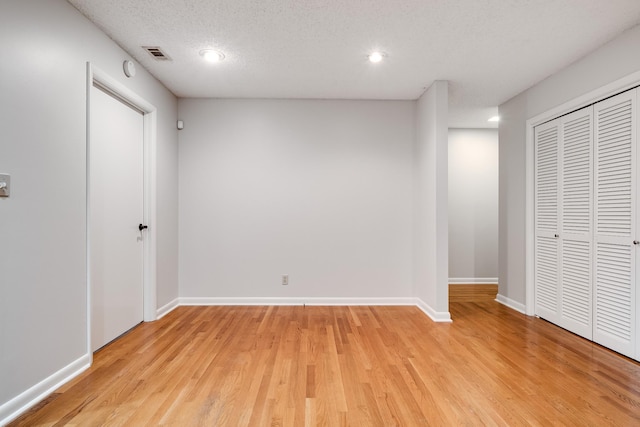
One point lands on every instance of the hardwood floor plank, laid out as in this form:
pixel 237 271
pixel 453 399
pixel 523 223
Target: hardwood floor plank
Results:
pixel 362 366
pixel 472 292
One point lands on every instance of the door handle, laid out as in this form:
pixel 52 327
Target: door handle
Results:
pixel 636 242
pixel 556 235
pixel 142 227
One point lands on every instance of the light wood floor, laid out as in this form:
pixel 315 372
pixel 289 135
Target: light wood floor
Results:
pixel 473 293
pixel 362 366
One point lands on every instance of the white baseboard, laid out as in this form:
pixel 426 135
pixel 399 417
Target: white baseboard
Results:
pixel 167 308
pixel 515 305
pixel 473 280
pixel 295 301
pixel 24 401
pixel 436 316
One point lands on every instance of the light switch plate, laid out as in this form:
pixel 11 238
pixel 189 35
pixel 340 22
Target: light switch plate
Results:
pixel 5 184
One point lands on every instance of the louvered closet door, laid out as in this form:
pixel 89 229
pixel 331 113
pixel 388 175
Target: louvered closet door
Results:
pixel 547 206
pixel 576 222
pixel 615 209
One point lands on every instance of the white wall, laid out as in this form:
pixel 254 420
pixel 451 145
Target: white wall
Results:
pixel 612 61
pixel 43 288
pixel 430 223
pixel 319 190
pixel 473 205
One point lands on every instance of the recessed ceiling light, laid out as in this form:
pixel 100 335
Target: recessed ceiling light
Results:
pixel 494 119
pixel 211 55
pixel 376 57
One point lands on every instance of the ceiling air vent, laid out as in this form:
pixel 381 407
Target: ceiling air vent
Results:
pixel 156 52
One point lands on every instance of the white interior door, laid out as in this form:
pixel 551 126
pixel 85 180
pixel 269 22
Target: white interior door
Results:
pixel 115 211
pixel 576 222
pixel 563 203
pixel 615 223
pixel 547 227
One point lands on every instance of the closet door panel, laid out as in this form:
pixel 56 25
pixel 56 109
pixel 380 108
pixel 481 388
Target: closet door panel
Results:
pixel 547 205
pixel 547 278
pixel 547 180
pixel 614 297
pixel 577 173
pixel 615 223
pixel 576 222
pixel 576 287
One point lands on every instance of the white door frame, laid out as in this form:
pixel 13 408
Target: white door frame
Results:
pixel 98 78
pixel 625 83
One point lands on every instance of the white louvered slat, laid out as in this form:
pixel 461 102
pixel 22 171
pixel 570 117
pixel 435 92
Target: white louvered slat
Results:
pixel 547 278
pixel 576 311
pixel 577 173
pixel 614 306
pixel 547 179
pixel 614 173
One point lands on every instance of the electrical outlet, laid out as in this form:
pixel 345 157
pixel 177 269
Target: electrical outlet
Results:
pixel 285 279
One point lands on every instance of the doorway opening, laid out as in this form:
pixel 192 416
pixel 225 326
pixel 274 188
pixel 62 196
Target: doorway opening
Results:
pixel 473 214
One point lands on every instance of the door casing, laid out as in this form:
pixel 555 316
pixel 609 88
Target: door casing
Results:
pixel 97 77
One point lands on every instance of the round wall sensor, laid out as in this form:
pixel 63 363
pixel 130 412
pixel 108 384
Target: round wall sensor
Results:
pixel 129 68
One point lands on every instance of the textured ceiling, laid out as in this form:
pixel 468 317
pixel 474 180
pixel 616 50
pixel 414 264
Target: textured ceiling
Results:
pixel 489 50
